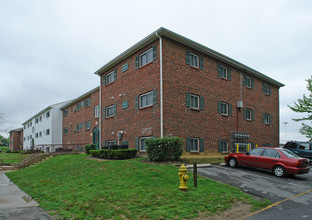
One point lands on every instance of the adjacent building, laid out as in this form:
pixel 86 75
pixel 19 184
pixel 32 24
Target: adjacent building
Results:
pixel 16 139
pixel 81 120
pixel 44 130
pixel 168 85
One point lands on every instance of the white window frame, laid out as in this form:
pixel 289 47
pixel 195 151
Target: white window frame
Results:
pixel 225 146
pixel 143 139
pixel 96 111
pixel 48 114
pixel 48 131
pixel 109 78
pixel 248 81
pixel 266 118
pixel 226 108
pixel 88 125
pixel 223 72
pixel 192 63
pixel 148 54
pixel 266 89
pixel 248 113
pixel 109 111
pixel 194 144
pixel 146 95
pixel 192 103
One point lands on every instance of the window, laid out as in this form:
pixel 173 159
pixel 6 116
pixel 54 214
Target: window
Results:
pixel 110 111
pixel 88 125
pixel 266 89
pixel 66 112
pixel 146 99
pixel 143 144
pixel 223 146
pixel 36 135
pixel 36 120
pixel 194 144
pixel 248 114
pixel 267 118
pixel 224 72
pixel 194 101
pixel 146 57
pixel 223 108
pixel 248 82
pixel 271 153
pixel 78 106
pixel 88 102
pixel 40 133
pixel 48 114
pixel 40 118
pixel 256 151
pixel 110 78
pixel 110 143
pixel 65 130
pixel 47 131
pixel 96 111
pixel 125 67
pixel 194 60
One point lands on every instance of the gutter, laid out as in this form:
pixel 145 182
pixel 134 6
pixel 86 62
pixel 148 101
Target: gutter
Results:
pixel 161 87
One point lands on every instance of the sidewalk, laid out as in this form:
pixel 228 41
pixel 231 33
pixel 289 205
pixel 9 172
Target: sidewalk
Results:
pixel 16 204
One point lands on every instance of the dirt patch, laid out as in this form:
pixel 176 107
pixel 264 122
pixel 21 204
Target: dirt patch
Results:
pixel 238 211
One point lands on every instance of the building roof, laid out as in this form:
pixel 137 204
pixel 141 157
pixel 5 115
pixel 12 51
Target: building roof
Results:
pixel 80 98
pixel 192 44
pixel 57 105
pixel 17 129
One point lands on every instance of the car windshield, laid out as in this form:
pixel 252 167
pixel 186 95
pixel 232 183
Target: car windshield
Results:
pixel 289 153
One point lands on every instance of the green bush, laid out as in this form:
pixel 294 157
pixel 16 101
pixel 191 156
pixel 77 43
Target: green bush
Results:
pixel 164 149
pixel 89 147
pixel 114 154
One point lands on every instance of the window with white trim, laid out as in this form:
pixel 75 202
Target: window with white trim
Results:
pixel 247 81
pixel 96 111
pixel 194 101
pixel 110 111
pixel 48 132
pixel 224 108
pixel 146 99
pixel 88 125
pixel 146 57
pixel 194 144
pixel 143 144
pixel 223 72
pixel 194 61
pixel 265 89
pixel 248 114
pixel 223 146
pixel 110 143
pixel 48 114
pixel 110 78
pixel 266 118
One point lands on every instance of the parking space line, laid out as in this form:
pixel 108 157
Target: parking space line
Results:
pixel 270 206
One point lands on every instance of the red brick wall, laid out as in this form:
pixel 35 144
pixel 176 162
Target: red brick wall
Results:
pixel 182 121
pixel 16 140
pixel 179 120
pixel 83 115
pixel 129 84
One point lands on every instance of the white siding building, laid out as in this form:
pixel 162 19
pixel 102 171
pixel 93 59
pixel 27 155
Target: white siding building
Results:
pixel 44 128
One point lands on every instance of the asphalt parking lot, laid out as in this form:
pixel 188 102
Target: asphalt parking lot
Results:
pixel 291 196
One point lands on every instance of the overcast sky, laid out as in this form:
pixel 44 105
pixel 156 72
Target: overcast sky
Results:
pixel 49 50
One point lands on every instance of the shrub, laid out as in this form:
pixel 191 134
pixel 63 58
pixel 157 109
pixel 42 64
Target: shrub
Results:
pixel 114 154
pixel 89 147
pixel 164 149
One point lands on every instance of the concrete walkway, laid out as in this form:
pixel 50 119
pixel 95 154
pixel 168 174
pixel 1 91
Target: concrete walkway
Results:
pixel 16 204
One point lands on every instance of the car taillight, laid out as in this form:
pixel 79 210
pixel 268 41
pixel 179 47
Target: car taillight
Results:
pixel 301 163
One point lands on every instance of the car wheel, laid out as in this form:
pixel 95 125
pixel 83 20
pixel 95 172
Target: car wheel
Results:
pixel 233 162
pixel 279 171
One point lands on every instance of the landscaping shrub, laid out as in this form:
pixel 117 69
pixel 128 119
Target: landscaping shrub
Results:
pixel 114 154
pixel 89 147
pixel 164 149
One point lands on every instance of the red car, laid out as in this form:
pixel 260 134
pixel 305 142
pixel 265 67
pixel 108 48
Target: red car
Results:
pixel 279 160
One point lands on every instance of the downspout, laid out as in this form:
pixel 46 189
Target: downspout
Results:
pixel 161 88
pixel 100 112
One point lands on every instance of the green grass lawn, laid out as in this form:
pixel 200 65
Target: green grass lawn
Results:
pixel 12 158
pixel 4 149
pixel 74 187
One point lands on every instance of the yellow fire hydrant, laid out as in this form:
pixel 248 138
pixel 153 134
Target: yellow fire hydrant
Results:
pixel 183 177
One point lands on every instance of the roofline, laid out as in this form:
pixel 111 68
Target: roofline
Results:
pixel 16 129
pixel 80 98
pixel 44 110
pixel 190 43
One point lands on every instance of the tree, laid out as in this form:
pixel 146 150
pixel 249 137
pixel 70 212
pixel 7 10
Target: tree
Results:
pixel 304 105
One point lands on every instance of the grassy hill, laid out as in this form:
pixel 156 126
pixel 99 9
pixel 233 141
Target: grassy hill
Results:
pixel 75 187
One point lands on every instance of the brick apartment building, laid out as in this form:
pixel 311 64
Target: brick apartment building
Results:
pixel 168 85
pixel 16 139
pixel 81 119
